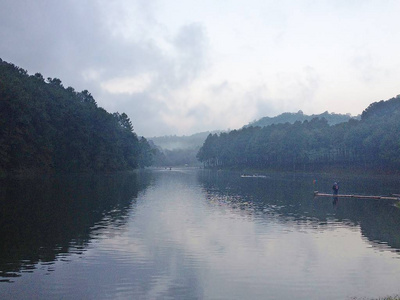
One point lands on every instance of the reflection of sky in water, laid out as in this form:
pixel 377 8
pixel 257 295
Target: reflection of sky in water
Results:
pixel 182 241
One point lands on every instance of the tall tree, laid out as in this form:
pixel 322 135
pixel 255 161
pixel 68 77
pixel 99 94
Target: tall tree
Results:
pixel 46 127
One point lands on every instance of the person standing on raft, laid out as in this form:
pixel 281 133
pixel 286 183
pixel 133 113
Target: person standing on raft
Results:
pixel 335 188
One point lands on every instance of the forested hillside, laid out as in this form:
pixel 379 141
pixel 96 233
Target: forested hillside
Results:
pixel 172 142
pixel 287 117
pixel 46 127
pixel 177 150
pixel 182 150
pixel 373 142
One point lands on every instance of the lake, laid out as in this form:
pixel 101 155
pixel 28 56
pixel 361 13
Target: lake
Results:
pixel 197 234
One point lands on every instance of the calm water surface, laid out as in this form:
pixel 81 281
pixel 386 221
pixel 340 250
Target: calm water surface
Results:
pixel 196 234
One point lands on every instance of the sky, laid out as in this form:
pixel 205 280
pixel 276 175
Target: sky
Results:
pixel 182 67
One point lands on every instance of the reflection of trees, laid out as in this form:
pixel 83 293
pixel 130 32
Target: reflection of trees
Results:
pixel 43 218
pixel 380 224
pixel 288 198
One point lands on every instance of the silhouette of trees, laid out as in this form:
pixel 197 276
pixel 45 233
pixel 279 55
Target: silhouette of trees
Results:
pixel 46 127
pixel 373 141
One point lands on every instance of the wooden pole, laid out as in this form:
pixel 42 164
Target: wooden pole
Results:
pixel 317 194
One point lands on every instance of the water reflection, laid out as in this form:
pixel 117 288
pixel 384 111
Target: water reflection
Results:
pixel 48 217
pixel 205 235
pixel 288 197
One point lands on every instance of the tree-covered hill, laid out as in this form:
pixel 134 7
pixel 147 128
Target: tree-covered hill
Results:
pixel 291 118
pixel 46 127
pixel 182 150
pixel 372 142
pixel 173 142
pixel 175 150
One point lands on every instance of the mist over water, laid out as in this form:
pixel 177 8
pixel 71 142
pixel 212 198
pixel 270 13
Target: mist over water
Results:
pixel 197 234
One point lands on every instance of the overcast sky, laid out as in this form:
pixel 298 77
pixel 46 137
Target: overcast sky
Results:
pixel 186 66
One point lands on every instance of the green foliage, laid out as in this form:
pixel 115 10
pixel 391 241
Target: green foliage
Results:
pixel 46 127
pixel 146 154
pixel 374 141
pixel 382 108
pixel 291 118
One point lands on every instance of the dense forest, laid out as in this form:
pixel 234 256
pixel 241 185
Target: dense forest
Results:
pixel 48 128
pixel 182 150
pixel 371 142
pixel 288 117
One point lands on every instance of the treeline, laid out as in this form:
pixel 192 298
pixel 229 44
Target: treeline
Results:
pixel 173 142
pixel 46 127
pixel 287 117
pixel 171 151
pixel 372 142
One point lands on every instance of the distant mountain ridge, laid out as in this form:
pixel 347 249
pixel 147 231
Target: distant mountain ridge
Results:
pixel 182 150
pixel 291 118
pixel 172 150
pixel 173 142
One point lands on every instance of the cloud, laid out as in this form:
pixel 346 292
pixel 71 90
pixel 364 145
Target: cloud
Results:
pixel 364 65
pixel 165 63
pixel 191 44
pixel 116 49
pixel 128 85
pixel 162 108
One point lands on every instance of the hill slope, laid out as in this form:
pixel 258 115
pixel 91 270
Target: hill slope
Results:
pixel 291 118
pixel 46 127
pixel 173 142
pixel 370 143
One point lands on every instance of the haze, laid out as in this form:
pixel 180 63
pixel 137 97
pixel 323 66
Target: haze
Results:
pixel 180 67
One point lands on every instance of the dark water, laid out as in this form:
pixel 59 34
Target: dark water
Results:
pixel 195 234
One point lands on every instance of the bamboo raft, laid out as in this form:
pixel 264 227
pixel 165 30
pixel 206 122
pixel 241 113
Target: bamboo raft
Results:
pixel 397 198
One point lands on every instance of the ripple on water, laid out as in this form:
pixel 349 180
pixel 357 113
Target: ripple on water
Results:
pixel 189 241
